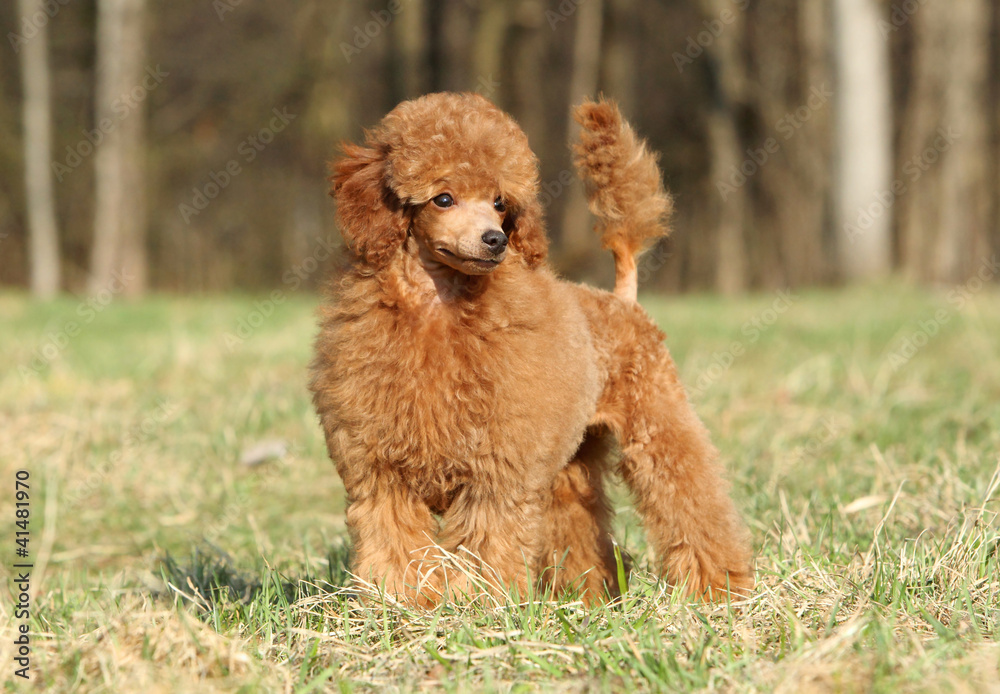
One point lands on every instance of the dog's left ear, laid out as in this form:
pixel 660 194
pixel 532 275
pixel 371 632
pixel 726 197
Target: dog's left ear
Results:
pixel 526 232
pixel 373 221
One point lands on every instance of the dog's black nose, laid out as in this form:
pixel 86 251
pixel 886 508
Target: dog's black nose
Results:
pixel 495 240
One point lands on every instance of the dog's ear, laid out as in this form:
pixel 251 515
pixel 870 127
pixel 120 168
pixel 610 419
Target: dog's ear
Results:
pixel 372 219
pixel 526 232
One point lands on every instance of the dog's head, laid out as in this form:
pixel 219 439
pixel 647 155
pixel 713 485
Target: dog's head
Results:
pixel 454 171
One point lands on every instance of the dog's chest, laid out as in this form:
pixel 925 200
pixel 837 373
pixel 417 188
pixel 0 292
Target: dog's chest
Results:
pixel 450 405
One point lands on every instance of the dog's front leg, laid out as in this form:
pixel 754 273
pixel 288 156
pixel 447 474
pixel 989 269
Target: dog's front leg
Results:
pixel 495 529
pixel 393 533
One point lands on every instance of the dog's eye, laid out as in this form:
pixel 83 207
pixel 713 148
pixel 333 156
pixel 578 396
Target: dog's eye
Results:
pixel 443 200
pixel 499 205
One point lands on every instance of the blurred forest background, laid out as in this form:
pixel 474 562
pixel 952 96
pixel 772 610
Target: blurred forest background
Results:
pixel 182 146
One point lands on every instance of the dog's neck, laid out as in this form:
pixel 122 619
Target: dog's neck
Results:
pixel 425 280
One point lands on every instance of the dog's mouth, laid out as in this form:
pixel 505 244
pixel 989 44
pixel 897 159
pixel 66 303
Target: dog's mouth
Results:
pixel 477 266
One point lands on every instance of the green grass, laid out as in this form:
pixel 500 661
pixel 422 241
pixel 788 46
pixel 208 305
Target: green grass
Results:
pixel 163 564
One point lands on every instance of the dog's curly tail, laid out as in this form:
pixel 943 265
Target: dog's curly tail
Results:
pixel 623 187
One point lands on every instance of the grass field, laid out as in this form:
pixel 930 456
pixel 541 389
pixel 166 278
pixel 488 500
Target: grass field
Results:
pixel 861 429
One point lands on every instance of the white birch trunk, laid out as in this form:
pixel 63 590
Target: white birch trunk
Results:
pixel 43 233
pixel 863 140
pixel 118 257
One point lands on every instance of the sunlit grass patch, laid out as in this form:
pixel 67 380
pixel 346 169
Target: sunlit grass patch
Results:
pixel 167 560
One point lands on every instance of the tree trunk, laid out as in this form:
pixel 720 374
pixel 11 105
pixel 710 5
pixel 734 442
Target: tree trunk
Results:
pixel 944 226
pixel 730 202
pixel 578 245
pixel 730 206
pixel 118 256
pixel 525 48
pixel 804 220
pixel 492 24
pixel 449 33
pixel 37 114
pixel 621 53
pixel 409 50
pixel 863 136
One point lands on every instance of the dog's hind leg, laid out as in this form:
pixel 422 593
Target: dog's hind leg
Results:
pixel 578 552
pixel 673 472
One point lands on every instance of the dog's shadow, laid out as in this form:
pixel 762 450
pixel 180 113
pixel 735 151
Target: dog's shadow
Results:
pixel 209 579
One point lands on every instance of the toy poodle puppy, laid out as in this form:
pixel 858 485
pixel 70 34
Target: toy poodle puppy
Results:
pixel 471 399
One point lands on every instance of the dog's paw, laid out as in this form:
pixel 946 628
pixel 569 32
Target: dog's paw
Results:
pixel 702 578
